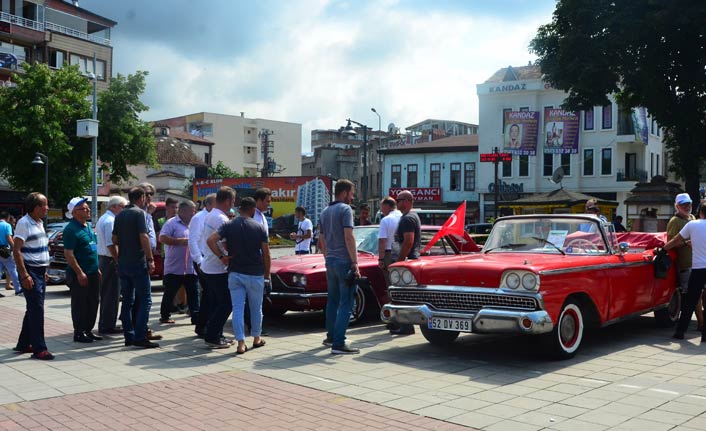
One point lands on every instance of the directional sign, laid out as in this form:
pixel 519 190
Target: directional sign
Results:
pixel 495 157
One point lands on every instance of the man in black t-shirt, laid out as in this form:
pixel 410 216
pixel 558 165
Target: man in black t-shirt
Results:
pixel 407 242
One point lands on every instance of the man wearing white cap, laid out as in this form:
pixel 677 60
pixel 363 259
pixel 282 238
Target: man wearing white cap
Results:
pixel 82 274
pixel 682 205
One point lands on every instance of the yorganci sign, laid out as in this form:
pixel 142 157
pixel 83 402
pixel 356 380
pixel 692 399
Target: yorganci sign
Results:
pixel 420 194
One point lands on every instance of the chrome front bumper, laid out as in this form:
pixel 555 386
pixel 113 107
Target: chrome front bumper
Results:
pixel 485 321
pixel 297 295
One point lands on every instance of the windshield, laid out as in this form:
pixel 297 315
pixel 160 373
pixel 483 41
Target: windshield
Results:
pixel 547 235
pixel 366 239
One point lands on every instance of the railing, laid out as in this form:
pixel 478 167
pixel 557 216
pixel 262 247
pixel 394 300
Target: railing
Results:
pixel 76 33
pixel 22 22
pixel 38 26
pixel 632 175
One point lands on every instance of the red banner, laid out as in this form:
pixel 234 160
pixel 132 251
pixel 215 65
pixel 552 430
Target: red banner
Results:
pixel 453 226
pixel 421 194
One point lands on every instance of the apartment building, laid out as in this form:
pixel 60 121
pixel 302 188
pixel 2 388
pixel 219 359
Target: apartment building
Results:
pixel 54 32
pixel 602 151
pixel 241 141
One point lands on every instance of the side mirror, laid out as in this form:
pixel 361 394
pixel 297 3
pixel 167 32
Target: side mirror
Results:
pixel 623 247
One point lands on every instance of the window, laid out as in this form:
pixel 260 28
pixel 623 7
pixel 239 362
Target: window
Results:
pixel 566 164
pixel 57 59
pixel 435 177
pixel 588 162
pixel 455 177
pixel 524 166
pixel 652 126
pixel 469 177
pixel 412 175
pixel 588 119
pixel 657 165
pixel 396 176
pixel 503 119
pixel 548 168
pixel 625 124
pixel 606 161
pixel 652 165
pixel 506 169
pixel 85 66
pixel 207 158
pixel 608 117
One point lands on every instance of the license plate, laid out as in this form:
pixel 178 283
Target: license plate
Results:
pixel 448 324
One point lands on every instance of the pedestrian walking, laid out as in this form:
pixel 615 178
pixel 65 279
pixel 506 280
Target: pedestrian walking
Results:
pixel 695 231
pixel 248 263
pixel 216 272
pixel 7 263
pixel 683 215
pixel 407 243
pixel 82 273
pixel 135 264
pixel 195 229
pixel 302 237
pixel 178 269
pixel 108 265
pixel 31 255
pixel 338 245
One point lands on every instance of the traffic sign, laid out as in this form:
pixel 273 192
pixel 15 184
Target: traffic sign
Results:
pixel 495 157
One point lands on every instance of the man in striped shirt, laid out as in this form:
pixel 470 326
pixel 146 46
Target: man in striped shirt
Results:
pixel 31 254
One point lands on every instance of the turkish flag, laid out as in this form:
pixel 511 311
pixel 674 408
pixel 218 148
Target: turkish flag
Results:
pixel 453 226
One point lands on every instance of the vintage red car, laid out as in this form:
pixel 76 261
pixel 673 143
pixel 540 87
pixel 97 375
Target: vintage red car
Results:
pixel 299 282
pixel 547 275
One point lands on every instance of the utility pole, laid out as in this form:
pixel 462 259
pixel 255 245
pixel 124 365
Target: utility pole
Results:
pixel 268 148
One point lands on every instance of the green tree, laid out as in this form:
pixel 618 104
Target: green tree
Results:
pixel 222 171
pixel 39 115
pixel 648 53
pixel 124 139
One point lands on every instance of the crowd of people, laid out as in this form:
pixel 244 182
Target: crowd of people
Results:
pixel 229 258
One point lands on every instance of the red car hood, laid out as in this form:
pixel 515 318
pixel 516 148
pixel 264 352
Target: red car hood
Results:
pixel 486 269
pixel 301 264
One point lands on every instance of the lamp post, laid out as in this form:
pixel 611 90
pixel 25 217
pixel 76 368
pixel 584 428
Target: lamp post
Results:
pixel 377 157
pixel 39 160
pixel 349 130
pixel 94 150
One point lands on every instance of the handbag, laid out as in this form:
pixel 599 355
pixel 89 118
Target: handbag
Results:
pixel 5 251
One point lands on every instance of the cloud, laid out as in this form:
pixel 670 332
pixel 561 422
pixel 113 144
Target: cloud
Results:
pixel 320 62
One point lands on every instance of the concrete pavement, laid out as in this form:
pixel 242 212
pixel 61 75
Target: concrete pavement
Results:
pixel 629 376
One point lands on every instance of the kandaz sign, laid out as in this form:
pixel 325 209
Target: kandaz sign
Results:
pixel 520 132
pixel 561 131
pixel 420 193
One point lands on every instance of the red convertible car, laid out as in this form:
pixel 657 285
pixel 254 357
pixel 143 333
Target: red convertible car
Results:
pixel 547 275
pixel 299 282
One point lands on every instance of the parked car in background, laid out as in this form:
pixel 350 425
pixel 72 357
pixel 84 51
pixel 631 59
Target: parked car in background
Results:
pixel 299 281
pixel 547 275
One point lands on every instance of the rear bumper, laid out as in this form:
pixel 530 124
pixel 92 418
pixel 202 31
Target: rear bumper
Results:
pixel 485 321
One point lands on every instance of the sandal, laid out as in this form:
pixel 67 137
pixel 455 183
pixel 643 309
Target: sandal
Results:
pixel 238 352
pixel 260 344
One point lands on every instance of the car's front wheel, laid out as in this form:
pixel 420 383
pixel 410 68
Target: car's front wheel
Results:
pixel 438 337
pixel 359 305
pixel 667 317
pixel 565 339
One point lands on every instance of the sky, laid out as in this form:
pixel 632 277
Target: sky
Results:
pixel 319 62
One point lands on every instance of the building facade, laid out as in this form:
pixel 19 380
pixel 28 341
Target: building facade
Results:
pixel 57 33
pixel 441 174
pixel 241 141
pixel 437 129
pixel 602 151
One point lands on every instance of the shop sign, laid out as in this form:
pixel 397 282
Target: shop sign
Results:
pixel 421 194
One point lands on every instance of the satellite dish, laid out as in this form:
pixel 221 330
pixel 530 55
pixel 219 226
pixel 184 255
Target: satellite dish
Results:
pixel 557 176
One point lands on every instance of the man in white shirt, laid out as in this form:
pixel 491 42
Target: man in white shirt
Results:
pixel 108 267
pixel 195 230
pixel 215 272
pixel 386 235
pixel 302 237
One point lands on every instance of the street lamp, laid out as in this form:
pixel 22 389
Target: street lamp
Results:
pixel 349 130
pixel 379 145
pixel 89 129
pixel 42 160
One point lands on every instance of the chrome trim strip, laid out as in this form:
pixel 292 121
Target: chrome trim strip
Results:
pixel 298 295
pixel 598 267
pixel 634 315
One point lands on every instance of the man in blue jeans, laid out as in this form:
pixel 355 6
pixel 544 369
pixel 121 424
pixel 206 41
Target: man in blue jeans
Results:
pixel 135 264
pixel 338 246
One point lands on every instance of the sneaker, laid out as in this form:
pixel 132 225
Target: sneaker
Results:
pixel 228 340
pixel 43 356
pixel 145 344
pixel 327 342
pixel 344 350
pixel 221 344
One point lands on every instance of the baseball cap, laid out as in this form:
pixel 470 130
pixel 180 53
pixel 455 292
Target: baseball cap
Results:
pixel 682 198
pixel 73 203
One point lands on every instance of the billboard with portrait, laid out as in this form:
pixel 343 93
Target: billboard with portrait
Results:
pixel 520 132
pixel 561 131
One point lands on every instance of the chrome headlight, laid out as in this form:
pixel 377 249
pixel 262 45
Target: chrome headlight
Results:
pixel 302 280
pixel 299 280
pixel 402 277
pixel 295 279
pixel 515 279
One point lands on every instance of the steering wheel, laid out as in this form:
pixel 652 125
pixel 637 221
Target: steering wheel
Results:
pixel 585 244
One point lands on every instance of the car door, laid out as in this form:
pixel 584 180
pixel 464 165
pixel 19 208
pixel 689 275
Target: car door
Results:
pixel 631 284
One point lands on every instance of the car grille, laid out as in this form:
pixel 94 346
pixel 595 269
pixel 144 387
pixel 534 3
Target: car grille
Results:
pixel 463 301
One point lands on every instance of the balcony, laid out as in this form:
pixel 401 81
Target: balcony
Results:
pixel 22 22
pixel 635 175
pixel 76 33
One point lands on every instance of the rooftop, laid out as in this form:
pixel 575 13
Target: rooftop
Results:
pixel 521 73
